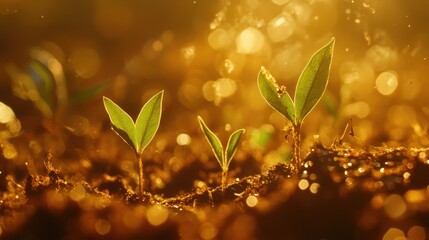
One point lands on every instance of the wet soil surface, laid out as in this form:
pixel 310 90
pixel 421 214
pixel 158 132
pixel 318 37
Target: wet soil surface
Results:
pixel 340 193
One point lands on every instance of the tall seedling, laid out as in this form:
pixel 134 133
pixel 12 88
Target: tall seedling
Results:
pixel 139 134
pixel 223 157
pixel 309 89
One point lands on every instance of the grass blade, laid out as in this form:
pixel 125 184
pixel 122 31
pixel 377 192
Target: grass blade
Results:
pixel 313 81
pixel 213 140
pixel 231 146
pixel 122 123
pixel 269 90
pixel 147 122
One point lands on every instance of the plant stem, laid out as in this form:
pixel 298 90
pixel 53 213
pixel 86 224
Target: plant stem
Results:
pixel 141 179
pixel 296 148
pixel 224 178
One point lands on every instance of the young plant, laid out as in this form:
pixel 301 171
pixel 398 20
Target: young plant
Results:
pixel 309 89
pixel 139 134
pixel 223 157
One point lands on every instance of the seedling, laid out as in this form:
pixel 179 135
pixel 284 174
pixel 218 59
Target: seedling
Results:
pixel 309 89
pixel 223 157
pixel 139 134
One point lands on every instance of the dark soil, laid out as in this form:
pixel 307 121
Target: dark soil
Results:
pixel 341 193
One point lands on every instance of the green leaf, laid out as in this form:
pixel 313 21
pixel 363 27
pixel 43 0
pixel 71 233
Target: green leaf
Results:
pixel 313 81
pixel 121 122
pixel 213 140
pixel 44 81
pixel 270 92
pixel 231 146
pixel 90 92
pixel 147 122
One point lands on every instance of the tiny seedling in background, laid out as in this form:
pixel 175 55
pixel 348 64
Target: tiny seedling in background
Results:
pixel 309 89
pixel 223 157
pixel 139 134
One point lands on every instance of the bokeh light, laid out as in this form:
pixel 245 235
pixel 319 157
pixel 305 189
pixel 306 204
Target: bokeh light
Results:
pixel 157 215
pixel 387 82
pixel 250 40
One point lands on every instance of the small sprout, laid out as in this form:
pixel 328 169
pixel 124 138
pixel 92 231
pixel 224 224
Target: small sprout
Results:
pixel 309 89
pixel 223 157
pixel 139 134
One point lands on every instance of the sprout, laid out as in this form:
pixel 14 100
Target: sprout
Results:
pixel 309 89
pixel 139 134
pixel 223 157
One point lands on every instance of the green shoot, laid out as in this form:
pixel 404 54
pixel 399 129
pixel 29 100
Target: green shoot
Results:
pixel 223 157
pixel 139 134
pixel 309 90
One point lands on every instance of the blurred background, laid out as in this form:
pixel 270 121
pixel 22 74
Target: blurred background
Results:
pixel 57 58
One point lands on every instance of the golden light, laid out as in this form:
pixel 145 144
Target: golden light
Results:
pixel 85 62
pixel 219 39
pixel 303 184
pixel 250 40
pixel 395 206
pixel 387 82
pixel 416 233
pixel 6 113
pixel 102 226
pixel 208 231
pixel 251 201
pixel 157 215
pixel 78 193
pixel 183 139
pixel 281 27
pixel 394 234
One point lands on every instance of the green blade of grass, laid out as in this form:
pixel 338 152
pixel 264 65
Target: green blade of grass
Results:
pixel 313 81
pixel 121 122
pixel 231 146
pixel 269 91
pixel 213 140
pixel 147 122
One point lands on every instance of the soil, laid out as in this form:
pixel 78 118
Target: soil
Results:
pixel 341 193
